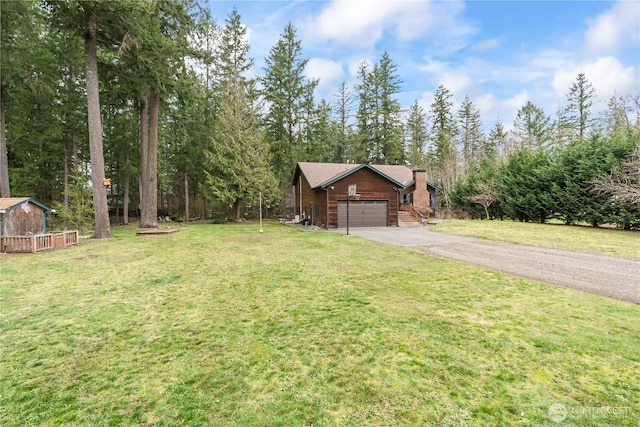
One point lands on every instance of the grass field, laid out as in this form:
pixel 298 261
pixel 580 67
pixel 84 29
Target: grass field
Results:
pixel 217 325
pixel 603 241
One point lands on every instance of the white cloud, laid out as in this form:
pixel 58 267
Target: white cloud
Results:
pixel 329 72
pixel 607 75
pixel 357 21
pixel 493 109
pixel 483 45
pixel 616 28
pixel 433 66
pixel 364 23
pixel 456 82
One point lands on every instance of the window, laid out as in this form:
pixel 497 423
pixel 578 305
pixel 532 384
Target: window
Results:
pixel 406 198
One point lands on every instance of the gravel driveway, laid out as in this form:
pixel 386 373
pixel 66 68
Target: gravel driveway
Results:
pixel 613 277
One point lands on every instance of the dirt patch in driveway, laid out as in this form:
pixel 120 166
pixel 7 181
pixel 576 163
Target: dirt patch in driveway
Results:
pixel 608 276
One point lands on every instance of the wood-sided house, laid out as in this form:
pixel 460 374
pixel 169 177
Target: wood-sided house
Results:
pixel 377 194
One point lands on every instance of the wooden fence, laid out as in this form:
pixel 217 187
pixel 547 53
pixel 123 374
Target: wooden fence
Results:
pixel 38 242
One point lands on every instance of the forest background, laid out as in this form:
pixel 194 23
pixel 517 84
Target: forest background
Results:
pixel 157 96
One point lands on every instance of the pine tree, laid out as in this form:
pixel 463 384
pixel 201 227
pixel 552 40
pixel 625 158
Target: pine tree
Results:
pixel 470 133
pixel 237 165
pixel 576 117
pixel 285 90
pixel 444 156
pixel 16 24
pixel 232 53
pixel 533 129
pixel 494 144
pixel 366 115
pixel 417 137
pixel 378 117
pixel 35 87
pixel 390 132
pixel 343 110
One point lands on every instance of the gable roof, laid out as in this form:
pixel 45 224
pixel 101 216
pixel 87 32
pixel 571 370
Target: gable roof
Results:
pixel 8 203
pixel 324 174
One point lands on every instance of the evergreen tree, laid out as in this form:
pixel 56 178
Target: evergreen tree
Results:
pixel 150 57
pixel 366 115
pixel 417 136
pixel 343 111
pixel 100 22
pixel 232 54
pixel 237 165
pixel 444 156
pixel 574 170
pixel 494 144
pixel 533 129
pixel 16 38
pixel 390 131
pixel 525 179
pixel 324 143
pixel 379 122
pixel 34 86
pixel 470 133
pixel 576 117
pixel 285 90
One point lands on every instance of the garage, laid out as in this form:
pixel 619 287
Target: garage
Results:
pixel 370 213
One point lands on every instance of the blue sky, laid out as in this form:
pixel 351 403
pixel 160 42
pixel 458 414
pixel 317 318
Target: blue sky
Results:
pixel 499 53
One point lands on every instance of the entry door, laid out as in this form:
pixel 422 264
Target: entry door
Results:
pixel 363 213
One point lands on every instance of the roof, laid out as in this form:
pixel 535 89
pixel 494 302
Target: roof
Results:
pixel 325 174
pixel 8 203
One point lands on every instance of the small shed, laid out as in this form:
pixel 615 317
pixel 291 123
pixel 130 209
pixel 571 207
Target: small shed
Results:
pixel 22 216
pixel 23 227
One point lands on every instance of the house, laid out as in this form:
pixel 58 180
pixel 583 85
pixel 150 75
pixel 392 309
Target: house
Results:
pixel 376 195
pixel 22 216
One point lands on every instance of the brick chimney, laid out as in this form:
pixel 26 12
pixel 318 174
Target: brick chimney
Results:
pixel 421 194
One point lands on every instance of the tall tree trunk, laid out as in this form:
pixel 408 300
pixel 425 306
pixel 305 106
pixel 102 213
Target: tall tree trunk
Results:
pixel 143 141
pixel 100 206
pixel 66 178
pixel 125 201
pixel 5 189
pixel 149 165
pixel 237 210
pixel 186 195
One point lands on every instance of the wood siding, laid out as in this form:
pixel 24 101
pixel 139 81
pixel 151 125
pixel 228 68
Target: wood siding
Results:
pixel 371 186
pixel 20 222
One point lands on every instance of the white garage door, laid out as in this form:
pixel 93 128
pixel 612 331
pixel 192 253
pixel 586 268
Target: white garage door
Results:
pixel 363 213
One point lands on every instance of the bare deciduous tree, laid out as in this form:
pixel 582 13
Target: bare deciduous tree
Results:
pixel 486 194
pixel 622 184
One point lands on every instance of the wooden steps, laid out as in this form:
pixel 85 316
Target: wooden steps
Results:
pixel 405 219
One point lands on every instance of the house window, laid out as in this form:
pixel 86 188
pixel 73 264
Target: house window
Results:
pixel 405 198
pixel 432 200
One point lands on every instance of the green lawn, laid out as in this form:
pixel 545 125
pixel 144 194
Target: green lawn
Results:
pixel 217 325
pixel 604 241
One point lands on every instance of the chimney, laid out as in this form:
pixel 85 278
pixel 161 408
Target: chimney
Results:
pixel 421 194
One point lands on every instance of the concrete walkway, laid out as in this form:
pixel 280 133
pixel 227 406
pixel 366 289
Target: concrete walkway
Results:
pixel 613 277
